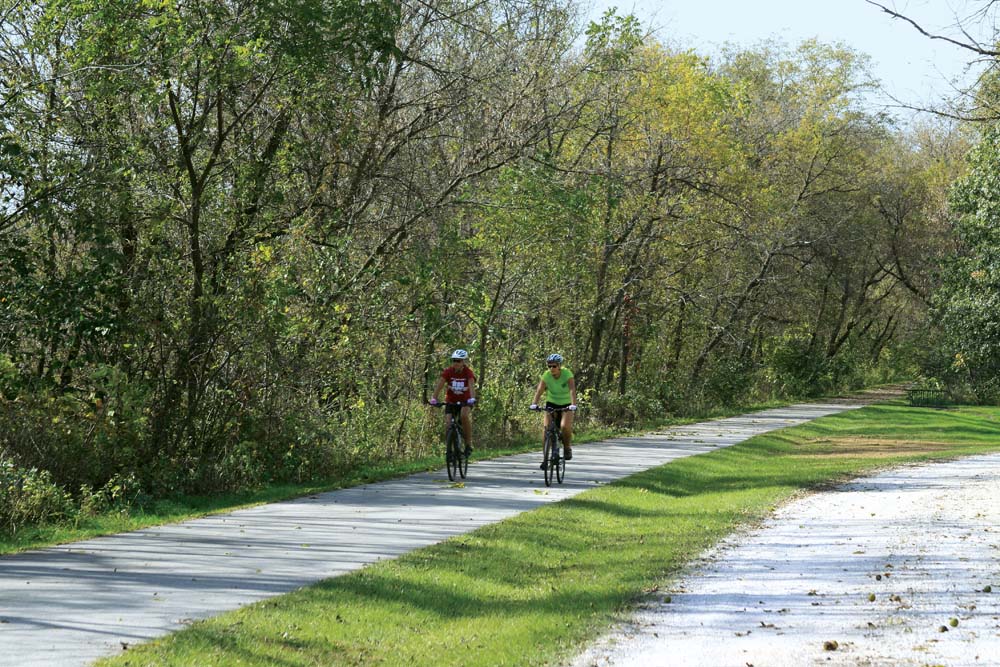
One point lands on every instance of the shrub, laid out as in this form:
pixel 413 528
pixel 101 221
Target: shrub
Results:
pixel 729 380
pixel 794 365
pixel 625 409
pixel 29 496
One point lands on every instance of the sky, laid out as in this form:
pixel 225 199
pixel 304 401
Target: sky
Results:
pixel 914 69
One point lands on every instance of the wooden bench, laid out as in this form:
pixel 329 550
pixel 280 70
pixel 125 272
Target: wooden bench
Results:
pixel 927 398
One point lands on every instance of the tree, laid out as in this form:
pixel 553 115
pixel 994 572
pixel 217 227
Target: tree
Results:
pixel 969 299
pixel 160 138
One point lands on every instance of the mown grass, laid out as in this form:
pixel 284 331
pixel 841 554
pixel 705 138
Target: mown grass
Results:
pixel 532 589
pixel 189 507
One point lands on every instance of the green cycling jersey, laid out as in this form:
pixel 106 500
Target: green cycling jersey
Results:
pixel 557 388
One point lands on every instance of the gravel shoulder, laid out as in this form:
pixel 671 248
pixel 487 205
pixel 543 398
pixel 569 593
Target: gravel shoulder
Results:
pixel 900 569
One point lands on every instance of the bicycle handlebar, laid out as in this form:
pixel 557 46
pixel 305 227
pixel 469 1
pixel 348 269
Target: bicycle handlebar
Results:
pixel 441 404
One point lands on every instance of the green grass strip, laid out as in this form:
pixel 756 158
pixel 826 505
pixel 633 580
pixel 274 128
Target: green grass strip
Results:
pixel 532 589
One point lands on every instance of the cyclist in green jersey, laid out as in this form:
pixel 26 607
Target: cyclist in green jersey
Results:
pixel 560 393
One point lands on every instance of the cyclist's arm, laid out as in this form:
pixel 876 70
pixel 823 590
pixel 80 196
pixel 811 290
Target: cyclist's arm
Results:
pixel 472 388
pixel 539 390
pixel 437 388
pixel 572 390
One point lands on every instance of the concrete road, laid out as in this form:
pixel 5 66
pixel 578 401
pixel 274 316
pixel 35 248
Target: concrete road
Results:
pixel 72 604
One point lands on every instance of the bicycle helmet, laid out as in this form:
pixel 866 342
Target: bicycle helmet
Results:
pixel 554 358
pixel 461 355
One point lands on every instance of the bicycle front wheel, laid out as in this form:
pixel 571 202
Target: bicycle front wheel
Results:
pixel 452 456
pixel 463 459
pixel 551 455
pixel 560 465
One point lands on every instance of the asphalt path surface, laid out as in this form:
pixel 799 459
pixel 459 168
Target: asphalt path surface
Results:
pixel 72 604
pixel 895 569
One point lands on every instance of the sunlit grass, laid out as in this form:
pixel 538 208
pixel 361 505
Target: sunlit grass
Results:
pixel 532 589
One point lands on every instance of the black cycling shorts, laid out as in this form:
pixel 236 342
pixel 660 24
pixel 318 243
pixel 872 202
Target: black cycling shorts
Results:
pixel 453 408
pixel 556 406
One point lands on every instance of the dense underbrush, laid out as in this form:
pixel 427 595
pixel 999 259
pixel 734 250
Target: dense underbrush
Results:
pixel 70 456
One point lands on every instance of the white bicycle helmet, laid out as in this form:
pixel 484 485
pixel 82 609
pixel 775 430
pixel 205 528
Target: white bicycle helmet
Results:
pixel 554 358
pixel 460 355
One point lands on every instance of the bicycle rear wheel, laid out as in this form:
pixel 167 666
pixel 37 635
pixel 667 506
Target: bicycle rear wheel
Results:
pixel 550 453
pixel 451 455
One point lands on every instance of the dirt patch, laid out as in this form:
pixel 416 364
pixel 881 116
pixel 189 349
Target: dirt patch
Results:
pixel 870 396
pixel 857 447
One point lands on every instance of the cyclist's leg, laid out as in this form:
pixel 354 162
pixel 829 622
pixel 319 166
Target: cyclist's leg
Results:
pixel 567 433
pixel 447 421
pixel 546 420
pixel 467 428
pixel 450 415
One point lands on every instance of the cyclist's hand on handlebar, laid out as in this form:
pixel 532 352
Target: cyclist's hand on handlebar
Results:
pixel 533 406
pixel 571 407
pixel 433 401
pixel 471 401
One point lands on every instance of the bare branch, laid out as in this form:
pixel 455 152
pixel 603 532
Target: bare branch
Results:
pixel 970 46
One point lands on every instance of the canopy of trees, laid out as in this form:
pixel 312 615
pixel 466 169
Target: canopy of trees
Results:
pixel 238 238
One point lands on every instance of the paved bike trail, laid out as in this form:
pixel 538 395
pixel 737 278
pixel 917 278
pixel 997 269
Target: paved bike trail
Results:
pixel 71 604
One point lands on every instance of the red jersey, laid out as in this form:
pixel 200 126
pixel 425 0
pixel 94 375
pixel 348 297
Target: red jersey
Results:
pixel 459 383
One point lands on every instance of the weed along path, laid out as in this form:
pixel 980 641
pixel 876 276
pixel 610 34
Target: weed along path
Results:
pixel 71 604
pixel 895 569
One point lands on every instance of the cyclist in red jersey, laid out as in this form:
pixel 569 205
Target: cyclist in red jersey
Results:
pixel 461 382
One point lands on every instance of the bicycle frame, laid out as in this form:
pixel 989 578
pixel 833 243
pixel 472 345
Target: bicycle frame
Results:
pixel 455 425
pixel 456 459
pixel 554 462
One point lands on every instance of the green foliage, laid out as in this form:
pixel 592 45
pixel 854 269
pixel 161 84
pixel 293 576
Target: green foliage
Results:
pixel 800 367
pixel 122 493
pixel 29 496
pixel 8 376
pixel 795 363
pixel 728 380
pixel 625 409
pixel 613 41
pixel 968 302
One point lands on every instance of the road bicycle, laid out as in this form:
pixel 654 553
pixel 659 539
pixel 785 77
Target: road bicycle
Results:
pixel 553 461
pixel 456 460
